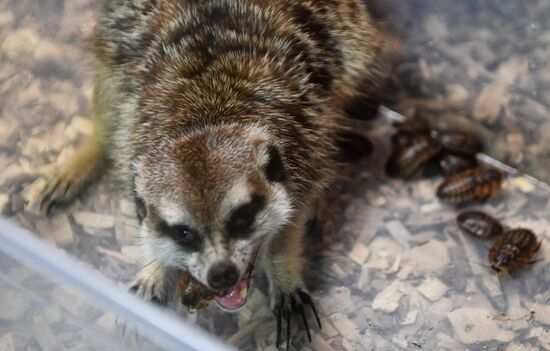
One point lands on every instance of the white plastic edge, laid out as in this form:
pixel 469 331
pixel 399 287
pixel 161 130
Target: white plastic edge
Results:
pixel 171 332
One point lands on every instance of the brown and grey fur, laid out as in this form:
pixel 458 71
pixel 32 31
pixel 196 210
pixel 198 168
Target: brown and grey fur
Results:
pixel 190 97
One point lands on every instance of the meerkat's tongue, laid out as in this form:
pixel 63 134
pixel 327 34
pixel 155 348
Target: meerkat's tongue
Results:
pixel 236 296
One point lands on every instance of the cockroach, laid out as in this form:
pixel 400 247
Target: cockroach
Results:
pixel 476 184
pixel 401 138
pixel 192 294
pixel 405 160
pixel 451 164
pixel 513 250
pixel 413 126
pixel 460 142
pixel 479 224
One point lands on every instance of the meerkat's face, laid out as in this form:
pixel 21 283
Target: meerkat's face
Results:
pixel 208 203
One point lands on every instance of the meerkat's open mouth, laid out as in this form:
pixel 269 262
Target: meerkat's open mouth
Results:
pixel 236 296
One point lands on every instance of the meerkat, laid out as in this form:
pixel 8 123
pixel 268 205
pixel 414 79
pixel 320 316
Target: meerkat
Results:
pixel 224 117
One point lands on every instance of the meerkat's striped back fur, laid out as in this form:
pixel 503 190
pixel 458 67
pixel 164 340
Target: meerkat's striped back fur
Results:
pixel 290 66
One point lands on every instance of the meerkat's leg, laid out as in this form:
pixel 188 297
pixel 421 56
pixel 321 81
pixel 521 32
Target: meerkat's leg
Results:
pixel 70 178
pixel 289 297
pixel 285 260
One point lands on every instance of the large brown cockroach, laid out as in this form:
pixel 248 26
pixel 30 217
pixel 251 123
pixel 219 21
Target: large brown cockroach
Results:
pixel 405 160
pixel 460 142
pixel 413 126
pixel 479 224
pixel 513 250
pixel 475 184
pixel 400 139
pixel 451 164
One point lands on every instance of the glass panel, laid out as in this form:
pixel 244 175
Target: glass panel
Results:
pixel 50 302
pixel 388 267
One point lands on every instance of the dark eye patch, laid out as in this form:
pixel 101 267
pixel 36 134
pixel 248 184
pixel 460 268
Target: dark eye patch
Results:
pixel 241 220
pixel 182 235
pixel 141 209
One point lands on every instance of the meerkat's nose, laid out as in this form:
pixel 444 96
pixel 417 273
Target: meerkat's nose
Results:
pixel 223 275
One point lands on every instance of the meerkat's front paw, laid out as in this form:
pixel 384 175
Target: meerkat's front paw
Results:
pixel 60 190
pixel 151 285
pixel 294 303
pixel 72 176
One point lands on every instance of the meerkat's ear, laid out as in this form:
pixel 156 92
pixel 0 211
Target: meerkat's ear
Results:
pixel 268 156
pixel 274 168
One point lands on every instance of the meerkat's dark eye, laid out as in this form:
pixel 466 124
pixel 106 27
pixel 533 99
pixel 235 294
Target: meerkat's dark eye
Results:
pixel 241 220
pixel 182 235
pixel 274 169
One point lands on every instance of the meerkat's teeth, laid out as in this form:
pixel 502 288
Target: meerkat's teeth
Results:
pixel 243 293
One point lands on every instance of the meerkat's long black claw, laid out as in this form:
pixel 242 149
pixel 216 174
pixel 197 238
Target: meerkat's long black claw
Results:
pixel 67 187
pixel 51 189
pixel 293 304
pixel 279 312
pixel 312 305
pixel 50 207
pixel 288 316
pixel 45 200
pixel 299 309
pixel 307 299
